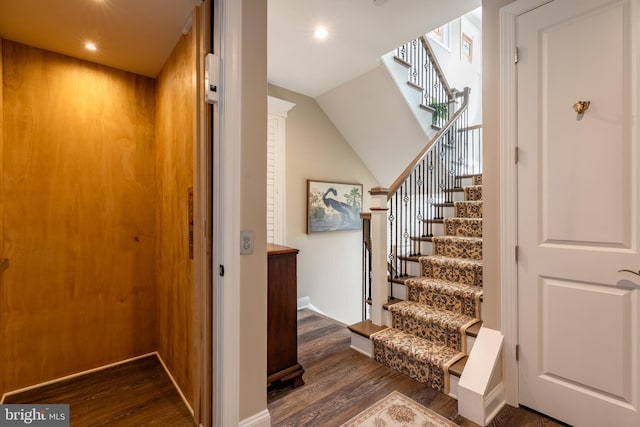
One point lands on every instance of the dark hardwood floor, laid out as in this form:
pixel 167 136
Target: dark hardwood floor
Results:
pixel 340 383
pixel 137 393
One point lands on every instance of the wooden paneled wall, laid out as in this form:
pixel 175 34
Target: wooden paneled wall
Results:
pixel 175 136
pixel 79 220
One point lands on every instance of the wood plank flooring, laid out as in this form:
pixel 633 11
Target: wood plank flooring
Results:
pixel 137 393
pixel 340 383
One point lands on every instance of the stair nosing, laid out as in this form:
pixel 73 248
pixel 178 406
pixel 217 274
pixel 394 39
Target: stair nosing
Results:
pixel 456 368
pixel 401 61
pixel 366 328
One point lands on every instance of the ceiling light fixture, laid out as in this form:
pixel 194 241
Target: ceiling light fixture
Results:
pixel 321 33
pixel 379 2
pixel 90 46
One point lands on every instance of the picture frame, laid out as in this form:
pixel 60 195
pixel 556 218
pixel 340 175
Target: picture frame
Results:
pixel 466 47
pixel 333 206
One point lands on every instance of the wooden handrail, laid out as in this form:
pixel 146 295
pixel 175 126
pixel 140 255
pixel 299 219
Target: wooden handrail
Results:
pixel 405 174
pixel 469 128
pixel 436 65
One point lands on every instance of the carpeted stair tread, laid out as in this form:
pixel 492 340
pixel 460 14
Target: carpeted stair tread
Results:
pixel 473 193
pixel 403 279
pixel 466 271
pixel 428 333
pixel 469 227
pixel 391 301
pixel 468 209
pixel 439 326
pixel 446 295
pixel 416 357
pixel 458 247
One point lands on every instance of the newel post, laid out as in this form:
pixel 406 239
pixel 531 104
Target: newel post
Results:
pixel 379 281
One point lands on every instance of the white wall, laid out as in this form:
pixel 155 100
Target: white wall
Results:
pixel 329 263
pixel 457 68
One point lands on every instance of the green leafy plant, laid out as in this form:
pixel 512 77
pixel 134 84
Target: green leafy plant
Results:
pixel 440 110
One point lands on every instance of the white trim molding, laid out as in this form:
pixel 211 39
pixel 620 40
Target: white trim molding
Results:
pixel 278 106
pixel 509 191
pixel 228 220
pixel 278 110
pixel 261 419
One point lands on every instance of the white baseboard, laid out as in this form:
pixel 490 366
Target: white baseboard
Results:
pixel 261 419
pixel 305 302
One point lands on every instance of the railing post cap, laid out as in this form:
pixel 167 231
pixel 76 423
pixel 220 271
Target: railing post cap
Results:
pixel 379 191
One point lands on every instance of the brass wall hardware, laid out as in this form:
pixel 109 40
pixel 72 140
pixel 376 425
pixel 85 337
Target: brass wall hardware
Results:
pixel 630 271
pixel 581 106
pixel 4 264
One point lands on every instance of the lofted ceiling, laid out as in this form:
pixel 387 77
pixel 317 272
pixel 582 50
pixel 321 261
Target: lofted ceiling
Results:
pixel 132 35
pixel 359 33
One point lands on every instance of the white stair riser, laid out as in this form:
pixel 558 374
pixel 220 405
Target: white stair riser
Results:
pixel 426 248
pixel 466 182
pixel 438 229
pixel 399 291
pixel 453 386
pixel 449 212
pixel 458 196
pixel 470 342
pixel 361 344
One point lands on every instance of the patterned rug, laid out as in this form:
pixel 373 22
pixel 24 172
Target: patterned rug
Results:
pixel 397 409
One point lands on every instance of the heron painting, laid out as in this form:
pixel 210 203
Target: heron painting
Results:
pixel 333 206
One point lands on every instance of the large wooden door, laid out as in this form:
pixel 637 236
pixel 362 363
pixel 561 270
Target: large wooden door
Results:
pixel 578 211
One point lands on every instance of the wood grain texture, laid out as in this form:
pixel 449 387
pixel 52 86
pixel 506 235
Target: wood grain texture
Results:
pixel 282 299
pixel 137 393
pixel 177 293
pixel 340 383
pixel 79 223
pixel 1 198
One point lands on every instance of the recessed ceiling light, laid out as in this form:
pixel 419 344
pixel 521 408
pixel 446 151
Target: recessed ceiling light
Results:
pixel 90 46
pixel 321 32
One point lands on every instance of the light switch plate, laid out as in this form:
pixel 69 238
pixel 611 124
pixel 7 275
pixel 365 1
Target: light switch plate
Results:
pixel 246 242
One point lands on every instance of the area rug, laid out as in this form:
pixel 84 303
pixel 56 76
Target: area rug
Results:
pixel 398 410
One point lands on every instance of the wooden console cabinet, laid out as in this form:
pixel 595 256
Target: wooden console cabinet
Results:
pixel 282 329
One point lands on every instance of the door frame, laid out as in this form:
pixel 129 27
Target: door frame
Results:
pixel 509 191
pixel 226 221
pixel 203 207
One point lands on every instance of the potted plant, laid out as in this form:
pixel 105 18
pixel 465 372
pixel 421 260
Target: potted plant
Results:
pixel 440 111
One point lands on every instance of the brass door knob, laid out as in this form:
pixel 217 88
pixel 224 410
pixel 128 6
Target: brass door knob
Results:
pixel 581 106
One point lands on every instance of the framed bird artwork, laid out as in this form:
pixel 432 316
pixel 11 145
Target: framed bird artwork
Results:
pixel 333 206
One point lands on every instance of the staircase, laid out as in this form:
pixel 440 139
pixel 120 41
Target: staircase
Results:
pixel 428 332
pixel 422 245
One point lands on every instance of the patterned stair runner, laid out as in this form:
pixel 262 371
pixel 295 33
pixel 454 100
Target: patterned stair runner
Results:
pixel 428 332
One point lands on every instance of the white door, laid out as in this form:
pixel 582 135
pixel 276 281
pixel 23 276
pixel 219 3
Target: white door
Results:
pixel 578 211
